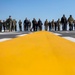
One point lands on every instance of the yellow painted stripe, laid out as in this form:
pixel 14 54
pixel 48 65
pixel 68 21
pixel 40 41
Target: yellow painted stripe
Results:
pixel 40 53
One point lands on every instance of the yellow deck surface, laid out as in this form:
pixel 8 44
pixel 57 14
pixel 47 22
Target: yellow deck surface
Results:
pixel 39 53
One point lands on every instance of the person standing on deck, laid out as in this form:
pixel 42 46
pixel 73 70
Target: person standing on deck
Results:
pixel 9 23
pixel 53 24
pixel 0 26
pixel 50 26
pixel 58 24
pixel 20 25
pixel 64 23
pixel 40 24
pixel 70 20
pixel 4 25
pixel 46 24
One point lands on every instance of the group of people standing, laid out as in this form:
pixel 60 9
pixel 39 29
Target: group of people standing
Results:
pixel 11 24
pixel 29 26
pixel 64 22
pixel 35 26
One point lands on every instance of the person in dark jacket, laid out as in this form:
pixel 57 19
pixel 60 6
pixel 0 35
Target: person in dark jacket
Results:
pixel 64 23
pixel 49 26
pixel 34 23
pixel 15 25
pixel 46 24
pixel 58 24
pixel 55 25
pixel 40 24
pixel 29 25
pixel 0 26
pixel 26 24
pixel 36 26
pixel 4 25
pixel 20 25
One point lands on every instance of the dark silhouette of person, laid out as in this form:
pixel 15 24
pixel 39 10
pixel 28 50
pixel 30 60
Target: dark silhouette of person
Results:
pixel 34 23
pixel 15 25
pixel 64 23
pixel 70 20
pixel 4 25
pixel 9 23
pixel 14 22
pixel 26 22
pixel 46 24
pixel 58 24
pixel 50 26
pixel 55 25
pixel 29 25
pixel 40 24
pixel 0 26
pixel 36 26
pixel 20 25
pixel 12 26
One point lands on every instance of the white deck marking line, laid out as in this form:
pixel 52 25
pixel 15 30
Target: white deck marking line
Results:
pixel 57 34
pixel 69 38
pixel 5 39
pixel 21 35
pixel 8 33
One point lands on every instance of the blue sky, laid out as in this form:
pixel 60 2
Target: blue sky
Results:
pixel 50 9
